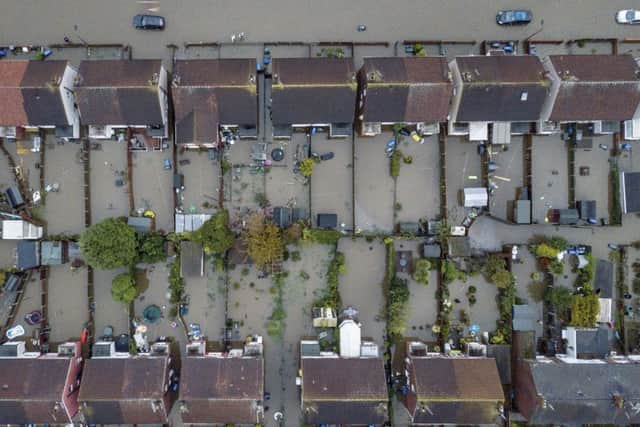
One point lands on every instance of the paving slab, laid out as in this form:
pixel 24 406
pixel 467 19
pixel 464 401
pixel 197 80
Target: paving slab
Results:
pixel 68 305
pixel 201 182
pixel 595 185
pixel 107 311
pixel 463 170
pixel 373 184
pixel 153 186
pixel 508 177
pixel 361 285
pixel 283 187
pixel 418 189
pixel 332 180
pixel 64 209
pixel 550 177
pixel 108 165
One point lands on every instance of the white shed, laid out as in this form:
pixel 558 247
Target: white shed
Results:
pixel 20 230
pixel 350 338
pixel 476 197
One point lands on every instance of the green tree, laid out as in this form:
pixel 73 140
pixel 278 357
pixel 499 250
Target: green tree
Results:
pixel 263 239
pixel 151 247
pixel 109 244
pixel 215 235
pixel 502 279
pixel 493 265
pixel 123 288
pixel 306 167
pixel 560 298
pixel 544 250
pixel 558 242
pixel 422 271
pixel 556 267
pixel 585 310
pixel 397 310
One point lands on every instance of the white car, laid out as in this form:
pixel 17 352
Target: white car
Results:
pixel 15 332
pixel 628 16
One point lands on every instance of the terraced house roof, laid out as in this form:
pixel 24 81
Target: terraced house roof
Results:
pixel 456 390
pixel 508 88
pixel 412 89
pixel 30 93
pixel 313 91
pixel 343 391
pixel 596 87
pixel 221 390
pixel 208 93
pixel 119 92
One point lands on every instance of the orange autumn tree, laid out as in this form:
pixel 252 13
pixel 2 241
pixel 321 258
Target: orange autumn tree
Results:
pixel 263 240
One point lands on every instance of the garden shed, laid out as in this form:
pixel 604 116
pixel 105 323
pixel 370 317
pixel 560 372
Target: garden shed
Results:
pixel 476 197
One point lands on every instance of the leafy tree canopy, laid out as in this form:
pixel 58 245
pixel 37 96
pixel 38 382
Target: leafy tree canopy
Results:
pixel 123 288
pixel 109 244
pixel 263 239
pixel 215 235
pixel 151 247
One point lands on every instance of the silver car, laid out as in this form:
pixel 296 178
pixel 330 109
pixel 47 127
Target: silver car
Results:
pixel 628 16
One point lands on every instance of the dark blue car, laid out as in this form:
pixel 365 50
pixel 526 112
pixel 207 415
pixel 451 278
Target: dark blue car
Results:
pixel 148 22
pixel 514 17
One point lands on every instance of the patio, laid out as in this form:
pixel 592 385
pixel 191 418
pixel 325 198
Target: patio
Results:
pixel 68 310
pixel 64 208
pixel 153 186
pixel 201 181
pixel 550 180
pixel 418 189
pixel 332 180
pixel 594 184
pixel 373 184
pixel 109 189
pixel 463 170
pixel 507 179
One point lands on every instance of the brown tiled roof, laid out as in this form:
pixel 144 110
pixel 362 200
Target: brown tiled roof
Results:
pixel 208 93
pixel 215 72
pixel 343 391
pixel 119 92
pixel 501 88
pixel 456 390
pixel 596 68
pixel 449 378
pixel 118 73
pixel 429 69
pixel 500 69
pixel 313 71
pixel 30 389
pixel 313 90
pixel 596 87
pixel 221 390
pixel 29 93
pixel 413 89
pixel 121 390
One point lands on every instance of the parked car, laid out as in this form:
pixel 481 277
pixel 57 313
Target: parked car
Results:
pixel 514 17
pixel 148 22
pixel 362 28
pixel 628 16
pixel 166 165
pixel 327 156
pixel 15 332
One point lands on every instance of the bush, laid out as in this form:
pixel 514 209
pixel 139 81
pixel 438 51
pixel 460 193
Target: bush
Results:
pixel 422 271
pixel 556 267
pixel 472 290
pixel 559 243
pixel 306 167
pixel 176 283
pixel 395 160
pixel 396 309
pixel 587 273
pixel 292 234
pixel 544 250
pixel 295 256
pixel 123 288
pixel 450 273
pixel 109 244
pixel 585 310
pixel 319 235
pixel 472 299
pixel 493 265
pixel 536 291
pixel 336 267
pixel 263 239
pixel 151 247
pixel 560 298
pixel 503 279
pixel 215 235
